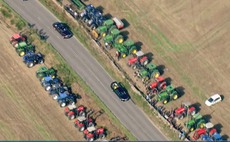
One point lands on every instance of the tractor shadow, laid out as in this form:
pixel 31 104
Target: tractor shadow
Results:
pixel 180 91
pixel 108 16
pixel 218 127
pixel 207 117
pixel 125 35
pixel 197 106
pixel 168 81
pixel 222 98
pixel 225 137
pixel 161 69
pixel 126 23
pixel 138 45
pixel 149 56
pixel 100 8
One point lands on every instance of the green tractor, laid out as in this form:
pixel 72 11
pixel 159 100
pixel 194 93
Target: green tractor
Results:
pixel 196 122
pixel 107 27
pixel 112 38
pixel 24 48
pixel 125 49
pixel 44 72
pixel 147 72
pixel 167 95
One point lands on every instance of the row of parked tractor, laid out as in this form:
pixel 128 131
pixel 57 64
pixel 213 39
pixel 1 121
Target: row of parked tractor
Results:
pixel 107 32
pixel 60 92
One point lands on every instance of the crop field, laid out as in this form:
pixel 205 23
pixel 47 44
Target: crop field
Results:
pixel 190 39
pixel 28 112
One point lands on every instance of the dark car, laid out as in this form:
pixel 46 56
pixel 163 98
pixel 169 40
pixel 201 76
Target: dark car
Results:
pixel 63 29
pixel 120 91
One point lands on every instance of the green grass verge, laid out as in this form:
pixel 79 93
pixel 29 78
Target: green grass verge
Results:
pixel 70 76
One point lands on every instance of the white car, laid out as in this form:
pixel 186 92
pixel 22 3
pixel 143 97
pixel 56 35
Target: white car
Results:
pixel 213 100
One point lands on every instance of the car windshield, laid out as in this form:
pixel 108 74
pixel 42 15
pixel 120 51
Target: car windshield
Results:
pixel 210 99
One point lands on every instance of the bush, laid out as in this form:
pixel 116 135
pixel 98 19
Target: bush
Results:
pixel 20 25
pixel 12 21
pixel 6 13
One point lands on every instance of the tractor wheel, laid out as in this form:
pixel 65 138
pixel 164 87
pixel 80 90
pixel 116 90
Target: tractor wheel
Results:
pixel 123 55
pixel 21 53
pixel 82 113
pixel 181 116
pixel 103 34
pixel 55 97
pixel 165 101
pixel 191 129
pixel 144 79
pixel 30 65
pixel 41 62
pixel 201 125
pixel 81 129
pixel 175 96
pixel 102 136
pixel 16 45
pixel 193 113
pixel 90 139
pixel 47 88
pixel 145 63
pixel 156 74
pixel 90 124
pixel 63 104
pixel 134 67
pixel 71 117
pixel 134 51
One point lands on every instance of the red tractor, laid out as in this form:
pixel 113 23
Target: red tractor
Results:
pixel 185 110
pixel 16 38
pixel 138 60
pixel 71 111
pixel 158 85
pixel 82 123
pixel 91 133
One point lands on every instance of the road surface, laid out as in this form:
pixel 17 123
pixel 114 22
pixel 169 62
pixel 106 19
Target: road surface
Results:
pixel 89 69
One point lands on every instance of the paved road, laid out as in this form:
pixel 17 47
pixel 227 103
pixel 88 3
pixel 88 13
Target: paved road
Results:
pixel 89 69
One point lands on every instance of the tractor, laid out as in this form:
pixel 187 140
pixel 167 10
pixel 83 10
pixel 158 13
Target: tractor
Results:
pixel 158 85
pixel 138 60
pixel 185 110
pixel 146 73
pixel 91 133
pixel 107 27
pixel 71 111
pixel 170 93
pixel 125 49
pixel 16 38
pixel 65 99
pixel 83 123
pixel 24 48
pixel 207 134
pixel 47 82
pixel 113 37
pixel 30 59
pixel 44 71
pixel 57 89
pixel 196 122
pixel 92 16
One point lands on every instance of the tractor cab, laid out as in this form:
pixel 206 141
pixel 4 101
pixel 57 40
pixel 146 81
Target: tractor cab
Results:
pixel 113 37
pixel 196 122
pixel 167 95
pixel 146 73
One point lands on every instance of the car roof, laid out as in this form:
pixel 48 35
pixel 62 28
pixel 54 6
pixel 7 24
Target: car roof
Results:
pixel 215 96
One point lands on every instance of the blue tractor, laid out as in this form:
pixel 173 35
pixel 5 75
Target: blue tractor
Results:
pixel 48 82
pixel 92 17
pixel 55 91
pixel 65 99
pixel 31 59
